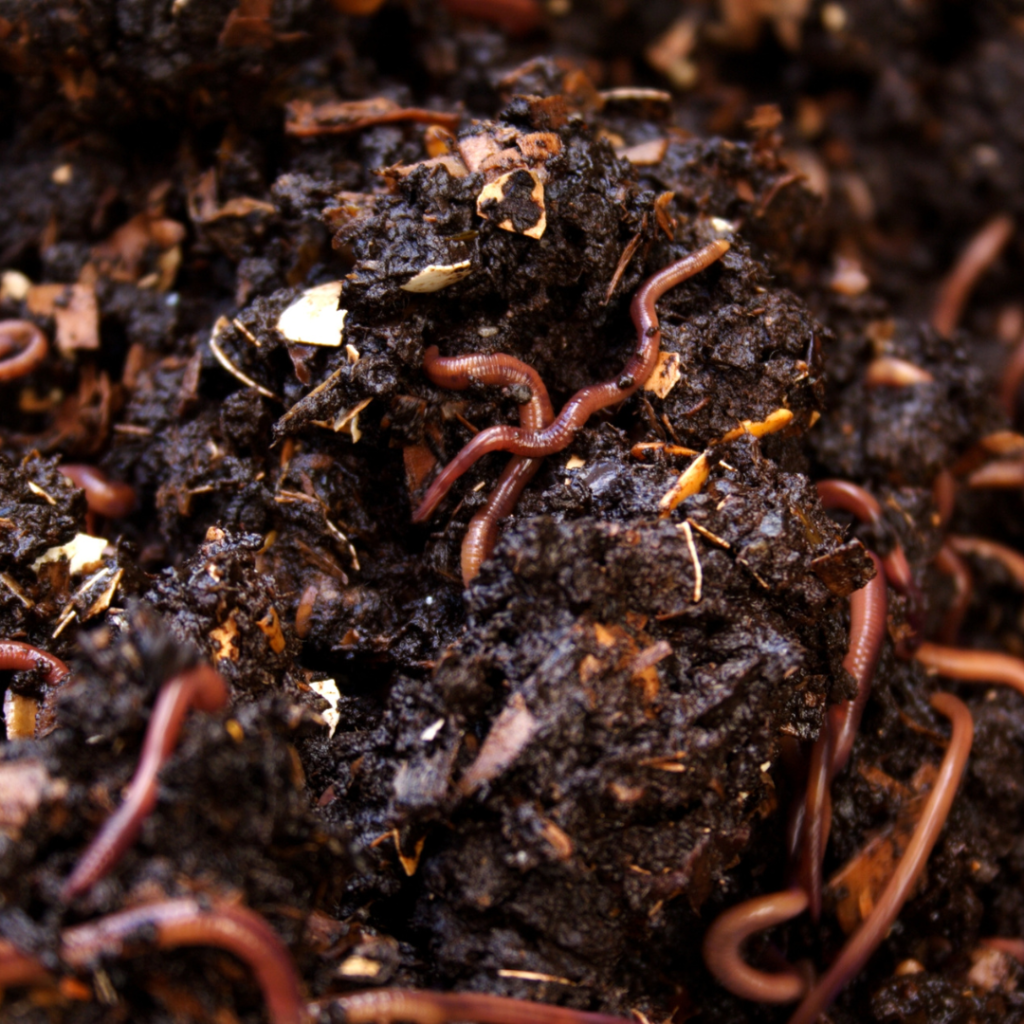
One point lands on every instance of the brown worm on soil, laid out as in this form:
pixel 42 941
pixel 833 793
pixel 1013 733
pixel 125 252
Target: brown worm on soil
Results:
pixel 1013 375
pixel 586 401
pixel 831 752
pixel 16 656
pixel 201 687
pixel 418 1006
pixel 949 562
pixel 458 373
pixel 968 666
pixel 979 254
pixel 843 494
pixel 1012 561
pixel 167 925
pixel 104 496
pixel 29 344
pixel 868 937
pixel 728 932
pixel 890 372
pixel 1004 473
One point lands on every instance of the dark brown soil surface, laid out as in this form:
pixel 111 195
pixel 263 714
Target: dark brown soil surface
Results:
pixel 178 175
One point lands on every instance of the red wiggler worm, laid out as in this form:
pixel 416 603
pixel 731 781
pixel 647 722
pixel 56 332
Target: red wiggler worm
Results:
pixel 969 666
pixel 166 925
pixel 850 498
pixel 457 373
pixel 832 750
pixel 27 342
pixel 728 932
pixel 876 926
pixel 201 687
pixel 185 922
pixel 980 253
pixel 104 496
pixel 15 655
pixel 949 561
pixel 386 1005
pixel 586 401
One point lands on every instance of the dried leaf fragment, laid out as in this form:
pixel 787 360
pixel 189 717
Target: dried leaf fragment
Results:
pixel 666 374
pixel 515 202
pixel 314 317
pixel 83 553
pixel 435 277
pixel 644 154
pixel 225 637
pixel 74 310
pixel 328 689
pixel 270 626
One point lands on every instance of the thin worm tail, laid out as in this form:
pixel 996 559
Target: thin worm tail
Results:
pixel 728 932
pixel 875 927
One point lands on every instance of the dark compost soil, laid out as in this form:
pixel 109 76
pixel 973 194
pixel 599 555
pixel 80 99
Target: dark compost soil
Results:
pixel 176 176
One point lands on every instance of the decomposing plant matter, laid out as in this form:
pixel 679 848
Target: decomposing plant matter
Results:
pixel 644 691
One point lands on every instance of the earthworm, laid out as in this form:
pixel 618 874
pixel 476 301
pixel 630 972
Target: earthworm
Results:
pixel 948 561
pixel 875 927
pixel 28 341
pixel 817 819
pixel 968 666
pixel 980 253
pixel 843 494
pixel 586 401
pixel 944 496
pixel 728 932
pixel 1013 374
pixel 104 496
pixel 1012 561
pixel 202 687
pixel 385 1005
pixel 185 922
pixel 457 373
pixel 482 532
pixel 166 925
pixel 832 750
pixel 1002 473
pixel 890 372
pixel 15 655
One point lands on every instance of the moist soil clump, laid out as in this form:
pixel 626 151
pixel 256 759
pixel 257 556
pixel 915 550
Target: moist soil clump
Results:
pixel 242 227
